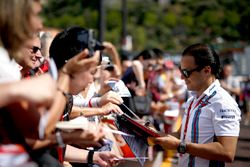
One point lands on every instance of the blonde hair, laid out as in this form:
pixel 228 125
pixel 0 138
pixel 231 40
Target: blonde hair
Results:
pixel 15 24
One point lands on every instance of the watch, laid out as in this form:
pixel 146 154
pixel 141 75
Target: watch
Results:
pixel 182 148
pixel 90 158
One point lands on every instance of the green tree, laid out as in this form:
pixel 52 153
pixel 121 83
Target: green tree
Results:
pixel 170 27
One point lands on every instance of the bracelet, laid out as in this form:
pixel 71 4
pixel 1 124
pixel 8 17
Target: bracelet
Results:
pixel 90 157
pixel 90 105
pixel 70 75
pixel 59 139
pixel 94 102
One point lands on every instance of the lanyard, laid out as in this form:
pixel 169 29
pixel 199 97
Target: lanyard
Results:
pixel 188 114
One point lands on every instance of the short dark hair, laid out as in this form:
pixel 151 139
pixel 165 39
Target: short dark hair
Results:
pixel 227 61
pixel 204 55
pixel 145 54
pixel 158 52
pixel 70 42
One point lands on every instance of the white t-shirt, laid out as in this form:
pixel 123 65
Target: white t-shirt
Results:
pixel 9 69
pixel 80 101
pixel 220 116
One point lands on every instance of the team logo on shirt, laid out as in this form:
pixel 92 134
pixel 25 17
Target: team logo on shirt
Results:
pixel 227 113
pixel 228 116
pixel 227 110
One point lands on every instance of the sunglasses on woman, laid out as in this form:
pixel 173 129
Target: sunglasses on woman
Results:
pixel 35 49
pixel 186 73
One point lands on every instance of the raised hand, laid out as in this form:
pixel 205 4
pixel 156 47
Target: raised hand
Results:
pixel 80 62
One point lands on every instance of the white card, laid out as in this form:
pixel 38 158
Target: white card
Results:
pixel 52 69
pixel 119 87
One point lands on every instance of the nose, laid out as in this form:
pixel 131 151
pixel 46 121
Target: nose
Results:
pixel 182 76
pixel 38 54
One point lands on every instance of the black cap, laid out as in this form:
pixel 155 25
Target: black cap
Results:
pixel 70 42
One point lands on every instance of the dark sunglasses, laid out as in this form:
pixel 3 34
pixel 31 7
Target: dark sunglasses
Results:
pixel 35 49
pixel 186 73
pixel 110 68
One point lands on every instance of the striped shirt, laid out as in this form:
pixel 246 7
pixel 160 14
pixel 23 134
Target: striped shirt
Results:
pixel 214 113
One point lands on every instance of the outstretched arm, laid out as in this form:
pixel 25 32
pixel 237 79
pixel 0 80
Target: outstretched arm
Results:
pixel 111 50
pixel 222 150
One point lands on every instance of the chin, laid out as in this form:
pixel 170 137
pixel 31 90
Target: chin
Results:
pixel 32 67
pixel 75 92
pixel 189 87
pixel 79 90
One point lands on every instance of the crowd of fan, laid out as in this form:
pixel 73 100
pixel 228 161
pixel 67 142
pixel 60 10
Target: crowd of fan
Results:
pixel 47 80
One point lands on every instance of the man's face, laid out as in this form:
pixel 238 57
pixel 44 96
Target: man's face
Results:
pixel 196 79
pixel 32 54
pixel 149 64
pixel 227 70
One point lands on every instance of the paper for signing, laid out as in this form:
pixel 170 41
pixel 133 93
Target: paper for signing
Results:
pixel 137 145
pixel 119 87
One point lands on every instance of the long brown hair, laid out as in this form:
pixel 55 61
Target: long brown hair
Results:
pixel 15 24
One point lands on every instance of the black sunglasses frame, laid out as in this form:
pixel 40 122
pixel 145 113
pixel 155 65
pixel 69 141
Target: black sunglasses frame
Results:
pixel 35 49
pixel 110 68
pixel 186 73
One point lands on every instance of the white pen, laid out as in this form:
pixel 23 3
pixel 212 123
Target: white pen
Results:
pixel 133 158
pixel 117 132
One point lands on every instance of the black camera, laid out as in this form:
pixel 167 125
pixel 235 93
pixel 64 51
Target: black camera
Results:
pixel 91 42
pixel 72 41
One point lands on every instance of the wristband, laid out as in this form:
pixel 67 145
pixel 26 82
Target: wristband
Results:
pixel 90 105
pixel 42 125
pixel 90 157
pixel 59 139
pixel 95 101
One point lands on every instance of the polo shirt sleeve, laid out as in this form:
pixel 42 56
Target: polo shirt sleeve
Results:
pixel 226 119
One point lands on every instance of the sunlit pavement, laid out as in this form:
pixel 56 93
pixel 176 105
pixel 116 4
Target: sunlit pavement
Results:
pixel 242 157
